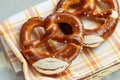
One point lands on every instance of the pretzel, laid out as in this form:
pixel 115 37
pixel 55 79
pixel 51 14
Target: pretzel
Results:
pixel 108 24
pixel 82 8
pixel 107 18
pixel 51 63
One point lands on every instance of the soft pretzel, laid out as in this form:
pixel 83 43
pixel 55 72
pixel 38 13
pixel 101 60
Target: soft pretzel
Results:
pixel 81 8
pixel 51 63
pixel 107 18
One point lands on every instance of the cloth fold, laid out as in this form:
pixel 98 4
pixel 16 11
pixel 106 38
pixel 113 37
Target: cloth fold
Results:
pixel 88 61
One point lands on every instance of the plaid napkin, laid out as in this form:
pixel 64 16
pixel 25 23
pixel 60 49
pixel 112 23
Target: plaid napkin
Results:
pixel 88 62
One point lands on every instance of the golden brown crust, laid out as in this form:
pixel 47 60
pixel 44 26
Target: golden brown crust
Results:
pixel 81 8
pixel 26 31
pixel 50 25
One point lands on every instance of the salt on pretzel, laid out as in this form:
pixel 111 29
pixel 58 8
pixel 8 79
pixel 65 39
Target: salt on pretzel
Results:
pixel 79 8
pixel 51 63
pixel 110 23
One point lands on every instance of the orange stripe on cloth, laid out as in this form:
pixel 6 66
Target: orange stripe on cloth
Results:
pixel 1 33
pixel 70 72
pixel 36 11
pixel 13 35
pixel 110 61
pixel 36 74
pixel 31 12
pixel 18 22
pixel 90 59
pixel 5 35
pixel 8 51
pixel 65 75
pixel 15 60
pixel 119 48
pixel 96 58
pixel 30 74
pixel 26 15
pixel 107 56
pixel 77 64
pixel 79 68
pixel 4 26
pixel 86 62
pixel 115 41
pixel 12 56
pixel 116 51
pixel 117 34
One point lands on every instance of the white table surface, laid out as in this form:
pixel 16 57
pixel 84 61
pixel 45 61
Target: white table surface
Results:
pixel 7 9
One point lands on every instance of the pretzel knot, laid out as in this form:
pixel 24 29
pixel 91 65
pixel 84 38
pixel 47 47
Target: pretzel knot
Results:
pixel 52 63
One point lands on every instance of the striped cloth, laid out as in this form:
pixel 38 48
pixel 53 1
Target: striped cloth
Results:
pixel 88 61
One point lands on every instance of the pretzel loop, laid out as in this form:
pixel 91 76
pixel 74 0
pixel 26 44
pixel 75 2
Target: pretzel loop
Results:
pixel 80 8
pixel 26 31
pixel 77 33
